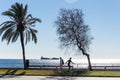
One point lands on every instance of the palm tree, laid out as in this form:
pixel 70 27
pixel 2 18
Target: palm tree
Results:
pixel 20 25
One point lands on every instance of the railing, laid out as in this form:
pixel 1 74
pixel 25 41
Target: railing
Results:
pixel 106 66
pixel 95 66
pixel 98 66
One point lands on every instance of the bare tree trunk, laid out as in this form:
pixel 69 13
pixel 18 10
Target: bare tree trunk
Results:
pixel 89 62
pixel 23 49
pixel 84 53
pixel 88 57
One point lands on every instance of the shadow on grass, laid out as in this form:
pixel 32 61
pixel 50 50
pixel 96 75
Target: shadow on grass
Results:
pixel 65 75
pixel 71 73
pixel 11 73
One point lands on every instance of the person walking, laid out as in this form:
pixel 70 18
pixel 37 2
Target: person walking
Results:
pixel 69 63
pixel 61 63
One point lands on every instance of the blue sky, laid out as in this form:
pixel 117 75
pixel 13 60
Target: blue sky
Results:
pixel 102 16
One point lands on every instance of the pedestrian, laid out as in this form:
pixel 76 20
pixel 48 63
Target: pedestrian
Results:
pixel 61 63
pixel 69 63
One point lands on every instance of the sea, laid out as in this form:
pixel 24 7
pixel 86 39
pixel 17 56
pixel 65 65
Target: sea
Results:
pixel 18 63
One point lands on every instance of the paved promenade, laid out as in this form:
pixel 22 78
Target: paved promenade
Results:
pixel 9 77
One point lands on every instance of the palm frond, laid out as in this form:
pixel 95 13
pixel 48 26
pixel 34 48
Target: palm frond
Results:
pixel 28 36
pixel 34 37
pixel 28 17
pixel 7 34
pixel 33 21
pixel 25 10
pixel 8 13
pixel 6 25
pixel 15 36
pixel 10 30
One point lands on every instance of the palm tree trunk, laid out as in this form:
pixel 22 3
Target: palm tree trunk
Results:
pixel 23 48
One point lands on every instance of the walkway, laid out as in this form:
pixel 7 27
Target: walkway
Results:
pixel 9 77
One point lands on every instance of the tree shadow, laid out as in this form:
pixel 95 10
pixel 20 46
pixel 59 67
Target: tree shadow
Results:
pixel 70 73
pixel 65 75
pixel 11 73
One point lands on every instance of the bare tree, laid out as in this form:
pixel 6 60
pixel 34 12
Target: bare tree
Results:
pixel 73 32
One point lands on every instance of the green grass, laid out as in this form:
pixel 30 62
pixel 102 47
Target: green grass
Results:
pixel 60 73
pixel 26 72
pixel 102 73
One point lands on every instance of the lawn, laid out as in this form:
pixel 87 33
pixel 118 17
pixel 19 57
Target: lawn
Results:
pixel 101 73
pixel 59 73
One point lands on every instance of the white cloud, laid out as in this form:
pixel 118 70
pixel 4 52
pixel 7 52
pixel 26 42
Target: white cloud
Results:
pixel 71 1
